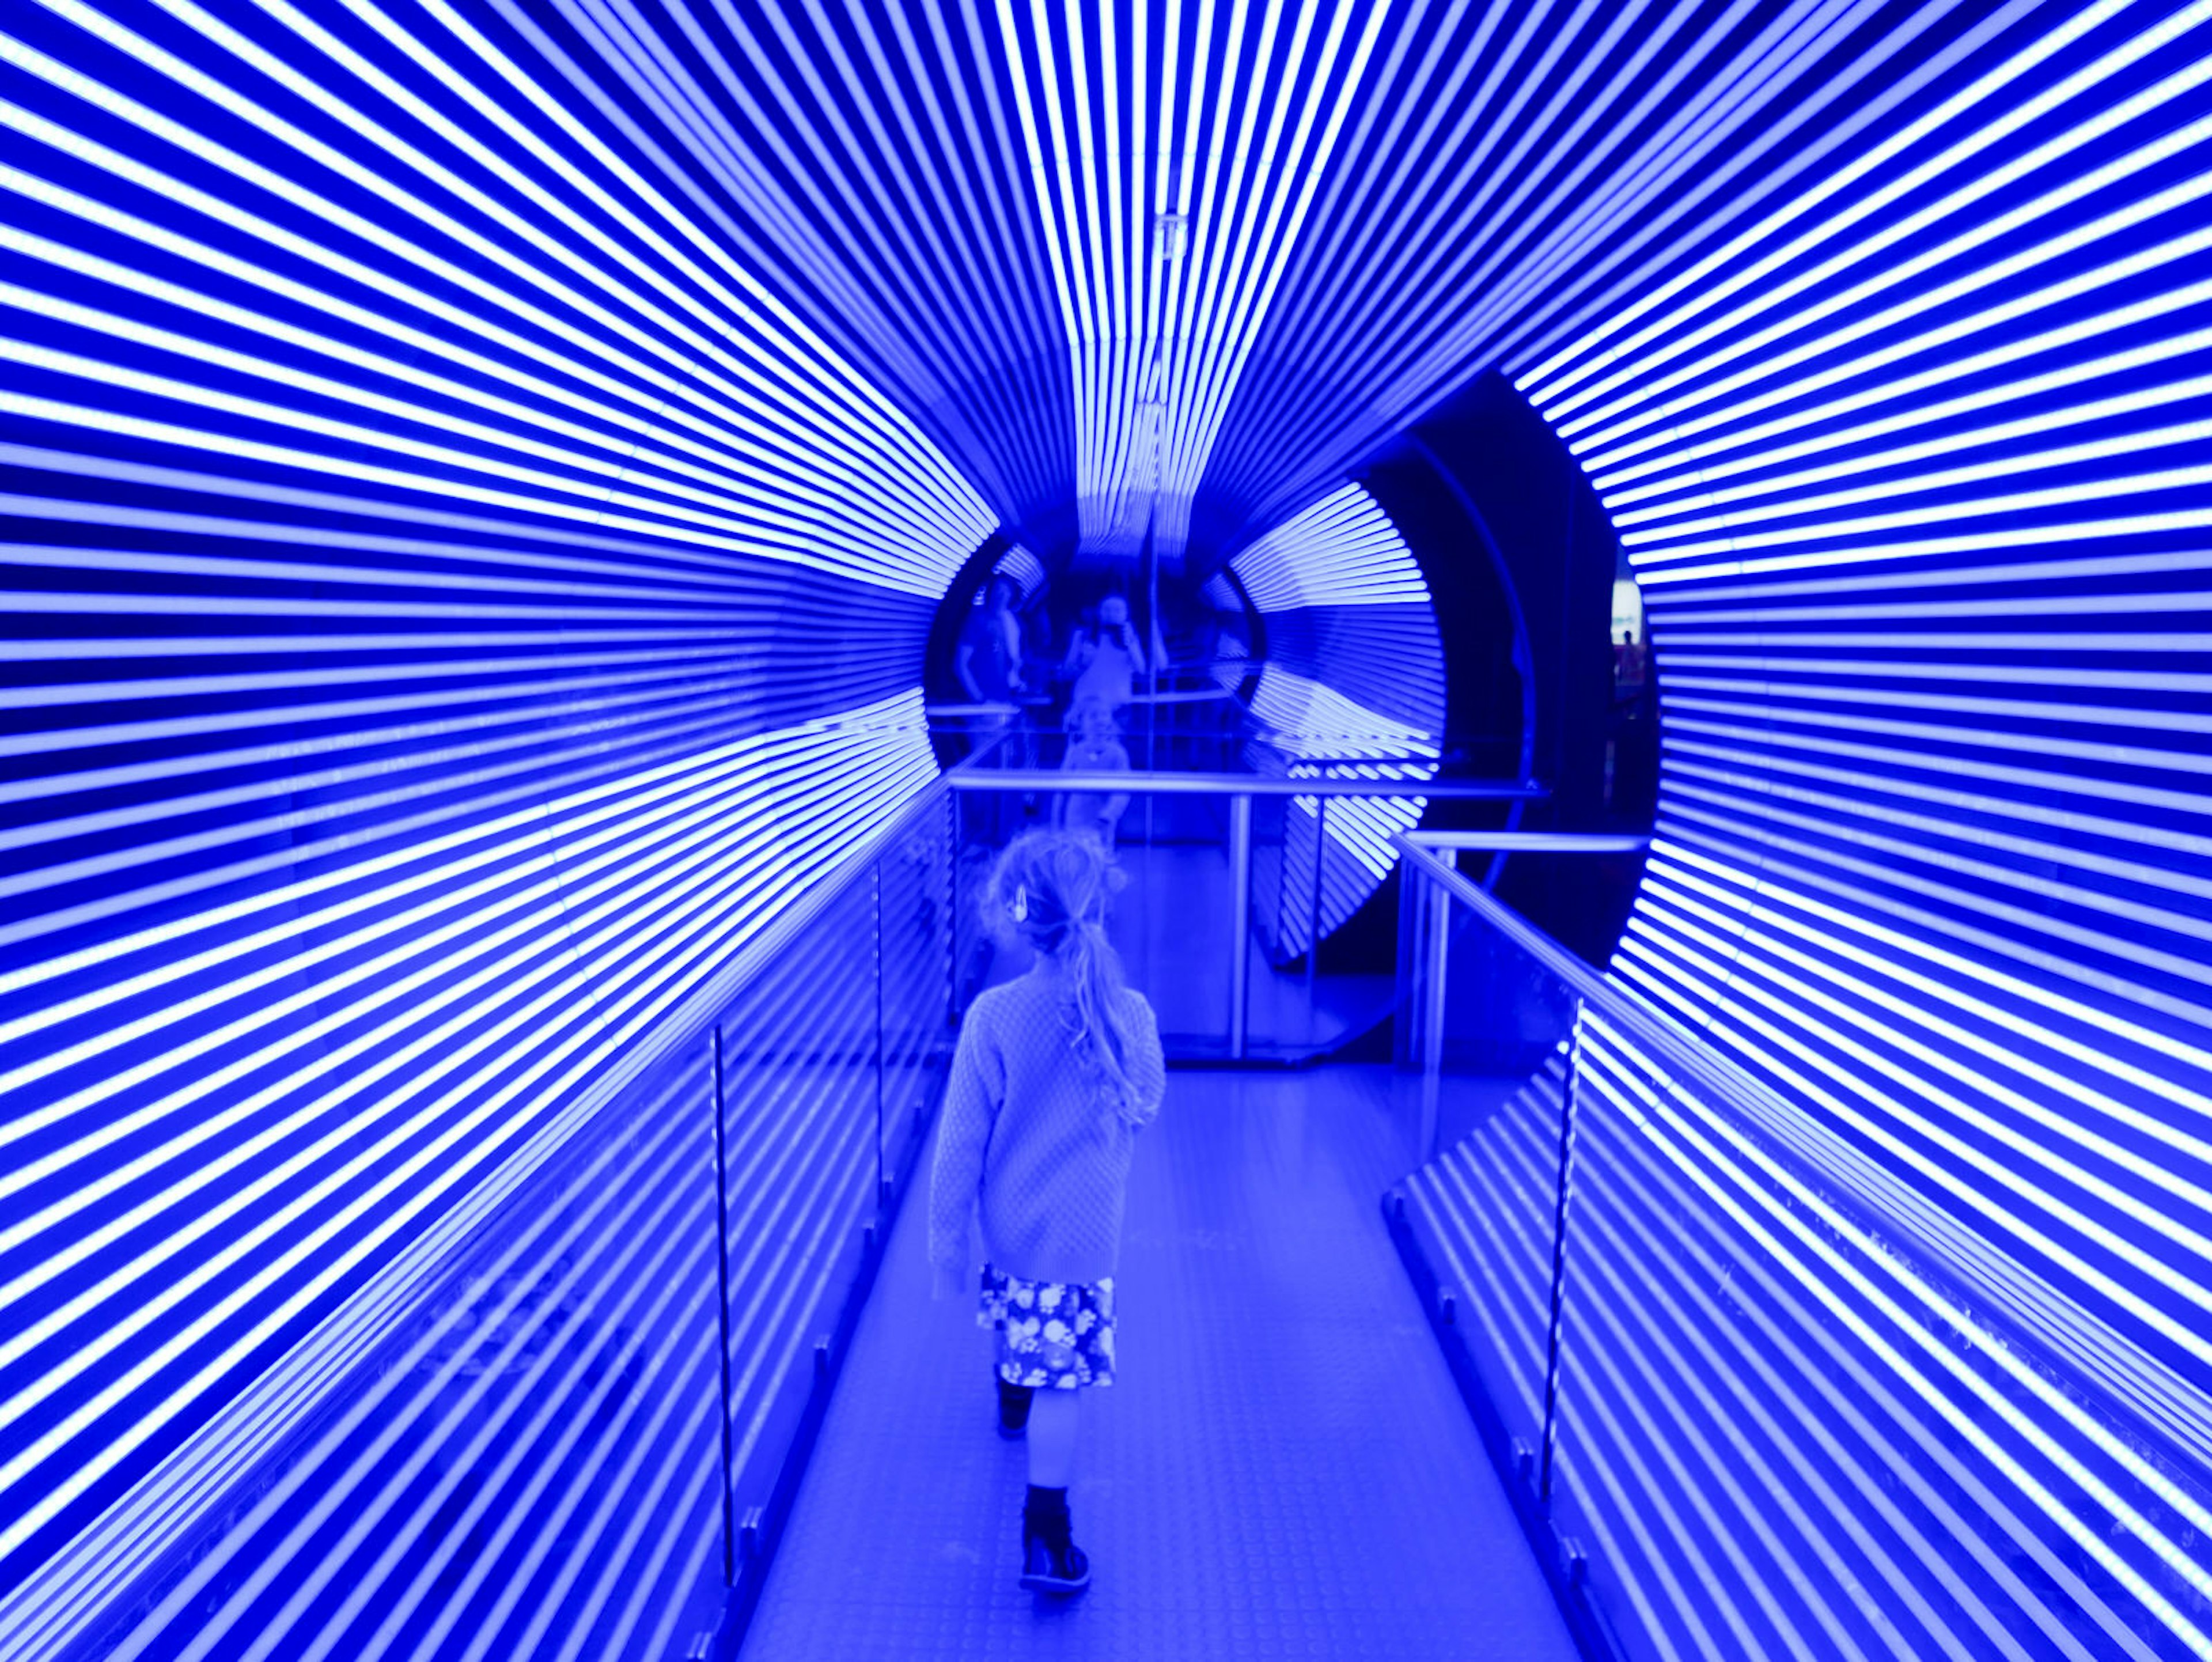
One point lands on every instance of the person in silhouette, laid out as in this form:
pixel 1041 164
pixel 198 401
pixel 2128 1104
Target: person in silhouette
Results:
pixel 1054 1074
pixel 1104 662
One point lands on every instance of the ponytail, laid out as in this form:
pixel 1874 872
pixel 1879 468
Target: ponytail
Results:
pixel 1051 888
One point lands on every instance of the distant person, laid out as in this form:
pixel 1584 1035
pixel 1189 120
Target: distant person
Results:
pixel 989 662
pixel 989 659
pixel 1105 660
pixel 1055 1073
pixel 1627 662
pixel 1094 746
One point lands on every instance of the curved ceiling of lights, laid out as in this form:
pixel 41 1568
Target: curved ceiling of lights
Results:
pixel 479 479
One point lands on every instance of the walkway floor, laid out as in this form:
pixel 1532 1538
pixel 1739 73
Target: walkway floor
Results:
pixel 1285 1469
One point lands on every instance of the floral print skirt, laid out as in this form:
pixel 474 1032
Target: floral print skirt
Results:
pixel 1059 1335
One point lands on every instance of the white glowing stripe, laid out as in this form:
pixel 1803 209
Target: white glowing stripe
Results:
pixel 813 539
pixel 1715 825
pixel 650 1193
pixel 1654 545
pixel 1650 572
pixel 1156 348
pixel 174 928
pixel 2011 465
pixel 618 435
pixel 209 726
pixel 2165 921
pixel 532 753
pixel 364 1050
pixel 1700 736
pixel 1576 412
pixel 1365 361
pixel 1802 1416
pixel 1445 1193
pixel 772 536
pixel 365 1236
pixel 1724 764
pixel 272 1632
pixel 1706 462
pixel 372 1400
pixel 1681 167
pixel 1025 567
pixel 503 761
pixel 2114 719
pixel 1606 452
pixel 761 1184
pixel 781 1337
pixel 1811 1219
pixel 396 996
pixel 675 389
pixel 645 667
pixel 1459 274
pixel 562 253
pixel 1730 1508
pixel 1312 721
pixel 419 935
pixel 1654 291
pixel 1812 669
pixel 1719 611
pixel 1895 1131
pixel 1629 1089
pixel 2084 1060
pixel 737 431
pixel 704 132
pixel 1343 550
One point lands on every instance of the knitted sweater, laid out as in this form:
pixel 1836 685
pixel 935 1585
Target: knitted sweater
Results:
pixel 1027 1134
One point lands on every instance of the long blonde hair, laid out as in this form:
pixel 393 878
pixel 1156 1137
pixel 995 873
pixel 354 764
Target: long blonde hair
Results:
pixel 1049 891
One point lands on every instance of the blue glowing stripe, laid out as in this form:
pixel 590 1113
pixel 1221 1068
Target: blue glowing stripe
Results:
pixel 441 561
pixel 1343 550
pixel 1026 570
pixel 1355 671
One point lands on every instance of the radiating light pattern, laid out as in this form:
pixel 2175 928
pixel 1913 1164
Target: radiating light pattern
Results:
pixel 1903 432
pixel 1342 596
pixel 1343 550
pixel 477 479
pixel 453 605
pixel 1026 570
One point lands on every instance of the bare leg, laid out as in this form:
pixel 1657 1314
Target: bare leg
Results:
pixel 1055 1416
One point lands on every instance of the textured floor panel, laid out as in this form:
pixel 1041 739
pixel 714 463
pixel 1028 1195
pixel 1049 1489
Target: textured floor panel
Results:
pixel 1283 1470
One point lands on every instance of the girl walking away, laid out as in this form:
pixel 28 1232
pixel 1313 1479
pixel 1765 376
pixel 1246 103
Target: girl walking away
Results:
pixel 1055 1073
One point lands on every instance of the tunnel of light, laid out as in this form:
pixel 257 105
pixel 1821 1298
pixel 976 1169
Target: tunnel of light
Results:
pixel 477 483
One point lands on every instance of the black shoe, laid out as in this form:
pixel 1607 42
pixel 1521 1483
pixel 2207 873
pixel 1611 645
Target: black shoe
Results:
pixel 1063 1570
pixel 1013 1409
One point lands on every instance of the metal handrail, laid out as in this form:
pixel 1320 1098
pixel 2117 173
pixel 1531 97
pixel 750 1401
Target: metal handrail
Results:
pixel 1511 841
pixel 1247 784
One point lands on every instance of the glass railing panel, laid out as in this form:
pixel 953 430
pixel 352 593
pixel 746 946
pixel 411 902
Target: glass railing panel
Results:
pixel 914 882
pixel 1777 1399
pixel 1490 1030
pixel 1171 919
pixel 1797 1407
pixel 530 1451
pixel 799 1154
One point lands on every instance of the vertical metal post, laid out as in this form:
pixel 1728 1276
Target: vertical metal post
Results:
pixel 1313 931
pixel 959 828
pixel 1563 1195
pixel 722 1315
pixel 1240 918
pixel 875 872
pixel 1438 946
